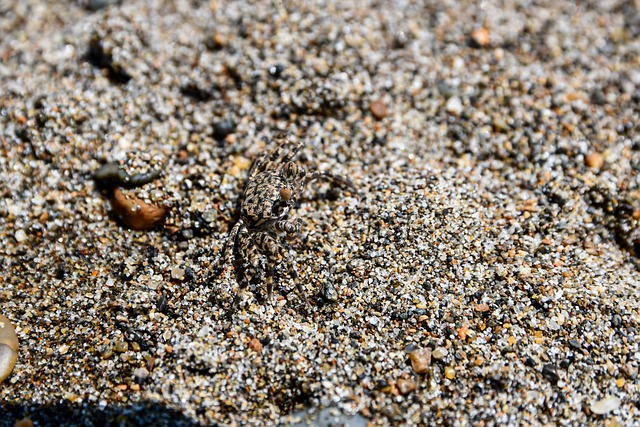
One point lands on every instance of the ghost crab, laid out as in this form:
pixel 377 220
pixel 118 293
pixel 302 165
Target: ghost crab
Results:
pixel 274 185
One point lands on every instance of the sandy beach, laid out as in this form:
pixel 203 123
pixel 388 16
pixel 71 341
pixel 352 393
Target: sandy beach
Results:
pixel 485 272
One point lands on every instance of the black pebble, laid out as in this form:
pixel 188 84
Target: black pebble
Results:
pixel 223 128
pixel 549 372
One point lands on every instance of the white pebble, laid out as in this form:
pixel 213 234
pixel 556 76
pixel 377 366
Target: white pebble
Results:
pixel 20 236
pixel 439 353
pixel 454 105
pixel 141 373
pixel 177 273
pixel 8 347
pixel 606 405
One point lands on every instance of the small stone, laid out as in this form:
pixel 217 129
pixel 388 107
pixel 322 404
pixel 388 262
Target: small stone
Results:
pixel 400 40
pixel 552 324
pixel 177 273
pixel 575 344
pixel 480 37
pixel 122 346
pixel 330 293
pixel 321 66
pixel 481 307
pixel 606 405
pixel 107 353
pixel 620 382
pixel 440 353
pixel 223 128
pixel 8 347
pixel 454 105
pixel 209 216
pixel 405 386
pixel 216 41
pixel 44 216
pixel 141 374
pixel 449 372
pixel 204 332
pixel 255 345
pixel 134 212
pixel 613 422
pixel 391 411
pixel 549 372
pixel 378 108
pixel 420 360
pixel 500 125
pixel 20 236
pixel 594 160
pixel 631 372
pixel 63 349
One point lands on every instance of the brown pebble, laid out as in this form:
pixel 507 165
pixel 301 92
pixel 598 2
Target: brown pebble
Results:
pixel 480 37
pixel 255 345
pixel 481 308
pixel 405 386
pixel 594 160
pixel 378 108
pixel 25 422
pixel 218 41
pixel 44 216
pixel 420 360
pixel 135 213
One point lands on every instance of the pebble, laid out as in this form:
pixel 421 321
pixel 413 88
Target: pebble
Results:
pixel 8 347
pixel 440 353
pixel 141 374
pixel 605 405
pixel 549 372
pixel 594 160
pixel 481 307
pixel 631 372
pixel 223 128
pixel 20 235
pixel 255 345
pixel 210 215
pixel 442 221
pixel 405 386
pixel 134 212
pixel 454 105
pixel 449 372
pixel 330 293
pixel 378 109
pixel 178 273
pixel 480 37
pixel 327 417
pixel 122 346
pixel 420 360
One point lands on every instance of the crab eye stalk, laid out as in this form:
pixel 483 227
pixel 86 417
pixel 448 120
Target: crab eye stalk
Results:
pixel 285 194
